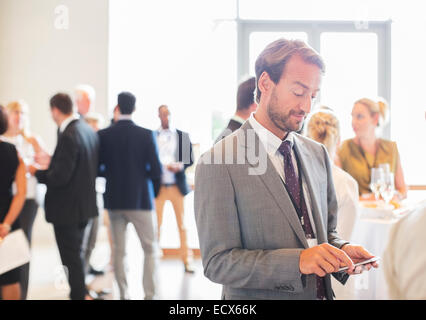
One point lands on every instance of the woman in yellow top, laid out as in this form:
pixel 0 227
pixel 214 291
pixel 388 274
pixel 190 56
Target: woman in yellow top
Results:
pixel 358 155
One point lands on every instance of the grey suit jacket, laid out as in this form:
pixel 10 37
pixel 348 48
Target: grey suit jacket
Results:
pixel 249 232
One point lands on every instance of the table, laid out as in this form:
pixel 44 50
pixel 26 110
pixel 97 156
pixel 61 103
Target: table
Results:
pixel 372 232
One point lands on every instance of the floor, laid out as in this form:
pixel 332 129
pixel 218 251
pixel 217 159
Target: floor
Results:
pixel 48 282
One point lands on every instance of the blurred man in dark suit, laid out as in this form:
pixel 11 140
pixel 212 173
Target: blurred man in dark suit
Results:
pixel 245 107
pixel 70 201
pixel 129 161
pixel 175 151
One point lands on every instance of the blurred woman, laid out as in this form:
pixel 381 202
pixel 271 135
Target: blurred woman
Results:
pixel 12 169
pixel 28 147
pixel 323 127
pixel 359 155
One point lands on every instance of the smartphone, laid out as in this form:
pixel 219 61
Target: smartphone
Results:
pixel 362 263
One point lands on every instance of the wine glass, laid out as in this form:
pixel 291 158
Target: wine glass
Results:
pixel 377 175
pixel 388 187
pixel 385 167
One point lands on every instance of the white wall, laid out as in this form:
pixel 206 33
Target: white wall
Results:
pixel 180 53
pixel 37 59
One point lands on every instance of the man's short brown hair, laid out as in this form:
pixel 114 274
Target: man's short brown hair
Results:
pixel 245 94
pixel 275 56
pixel 62 102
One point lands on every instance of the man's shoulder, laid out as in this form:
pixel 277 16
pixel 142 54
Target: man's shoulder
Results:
pixel 76 130
pixel 223 149
pixel 230 128
pixel 233 125
pixel 182 133
pixel 307 142
pixel 142 130
pixel 230 139
pixel 118 128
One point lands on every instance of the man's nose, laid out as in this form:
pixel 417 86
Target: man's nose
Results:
pixel 307 104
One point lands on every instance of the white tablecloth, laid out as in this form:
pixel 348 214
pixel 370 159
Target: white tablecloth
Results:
pixel 372 233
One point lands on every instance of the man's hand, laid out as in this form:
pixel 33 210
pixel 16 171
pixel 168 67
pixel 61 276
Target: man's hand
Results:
pixel 42 159
pixel 175 167
pixel 323 259
pixel 357 254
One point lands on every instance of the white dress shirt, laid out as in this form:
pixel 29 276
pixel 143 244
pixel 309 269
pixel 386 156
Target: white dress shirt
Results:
pixel 125 117
pixel 67 121
pixel 167 140
pixel 271 143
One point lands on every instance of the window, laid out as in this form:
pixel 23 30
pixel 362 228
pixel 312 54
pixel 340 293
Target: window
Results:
pixel 351 73
pixel 193 59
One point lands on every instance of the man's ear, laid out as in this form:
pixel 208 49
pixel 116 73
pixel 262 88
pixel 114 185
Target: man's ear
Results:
pixel 54 113
pixel 265 83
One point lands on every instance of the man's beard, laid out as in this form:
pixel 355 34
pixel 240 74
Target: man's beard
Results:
pixel 283 121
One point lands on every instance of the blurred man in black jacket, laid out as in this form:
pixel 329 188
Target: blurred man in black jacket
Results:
pixel 70 201
pixel 129 161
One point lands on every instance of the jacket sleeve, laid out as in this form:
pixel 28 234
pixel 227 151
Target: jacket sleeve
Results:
pixel 62 166
pixel 185 154
pixel 154 165
pixel 101 155
pixel 190 161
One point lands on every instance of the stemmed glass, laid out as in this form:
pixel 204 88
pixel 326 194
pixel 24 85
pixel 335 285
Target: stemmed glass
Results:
pixel 376 182
pixel 388 187
pixel 385 167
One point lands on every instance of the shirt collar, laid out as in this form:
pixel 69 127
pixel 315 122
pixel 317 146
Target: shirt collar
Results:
pixel 238 119
pixel 124 117
pixel 170 129
pixel 67 121
pixel 270 141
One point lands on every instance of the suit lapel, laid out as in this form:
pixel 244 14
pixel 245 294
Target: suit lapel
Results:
pixel 272 182
pixel 313 187
pixel 178 155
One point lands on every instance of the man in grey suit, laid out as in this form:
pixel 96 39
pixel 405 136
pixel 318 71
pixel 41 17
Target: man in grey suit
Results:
pixel 265 204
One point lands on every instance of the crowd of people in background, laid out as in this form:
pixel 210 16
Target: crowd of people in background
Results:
pixel 113 173
pixel 124 174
